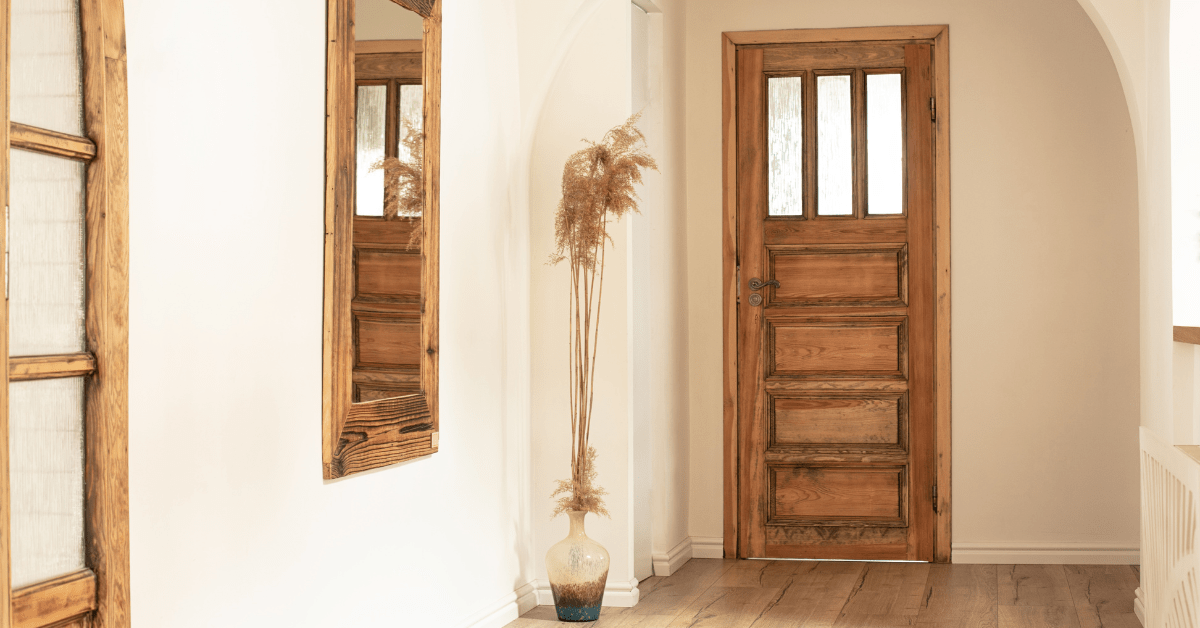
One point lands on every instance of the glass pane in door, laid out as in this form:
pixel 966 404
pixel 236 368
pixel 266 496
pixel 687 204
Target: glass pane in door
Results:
pixel 371 120
pixel 46 259
pixel 45 441
pixel 885 145
pixel 835 156
pixel 785 145
pixel 46 83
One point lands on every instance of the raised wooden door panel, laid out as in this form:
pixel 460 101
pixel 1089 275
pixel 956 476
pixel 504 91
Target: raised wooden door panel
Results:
pixel 835 307
pixel 839 274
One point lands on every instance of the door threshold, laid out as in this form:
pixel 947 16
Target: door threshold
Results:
pixel 840 560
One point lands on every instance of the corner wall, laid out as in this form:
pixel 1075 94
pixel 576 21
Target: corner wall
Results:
pixel 1044 261
pixel 232 524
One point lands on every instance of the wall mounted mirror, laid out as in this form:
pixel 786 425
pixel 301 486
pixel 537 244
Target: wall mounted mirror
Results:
pixel 383 80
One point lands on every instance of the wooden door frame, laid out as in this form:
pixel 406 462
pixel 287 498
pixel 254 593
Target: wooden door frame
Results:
pixel 940 36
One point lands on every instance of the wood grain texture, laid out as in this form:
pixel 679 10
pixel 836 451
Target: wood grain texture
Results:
pixel 783 57
pixel 387 275
pixel 921 326
pixel 941 87
pixel 360 436
pixel 53 601
pixel 386 65
pixel 837 274
pixel 810 594
pixel 1100 593
pixel 424 8
pixel 5 493
pixel 385 341
pixel 50 366
pixel 106 472
pixel 50 142
pixel 377 46
pixel 836 494
pixel 751 206
pixel 1190 335
pixel 729 292
pixel 865 419
pixel 858 348
pixel 821 35
pixel 792 363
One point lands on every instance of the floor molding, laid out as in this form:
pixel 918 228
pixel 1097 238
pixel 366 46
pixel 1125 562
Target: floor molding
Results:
pixel 708 547
pixel 667 563
pixel 1139 606
pixel 616 594
pixel 1045 554
pixel 505 610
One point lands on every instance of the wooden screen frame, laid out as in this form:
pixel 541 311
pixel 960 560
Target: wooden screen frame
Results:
pixel 98 595
pixel 730 41
pixel 358 437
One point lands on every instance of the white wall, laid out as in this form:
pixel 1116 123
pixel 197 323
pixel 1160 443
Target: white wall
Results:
pixel 1044 258
pixel 231 523
pixel 576 83
pixel 384 19
pixel 590 94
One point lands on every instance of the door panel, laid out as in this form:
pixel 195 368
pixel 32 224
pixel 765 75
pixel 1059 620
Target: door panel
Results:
pixel 835 316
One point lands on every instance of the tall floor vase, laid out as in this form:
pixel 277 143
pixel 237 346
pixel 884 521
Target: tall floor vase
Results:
pixel 578 569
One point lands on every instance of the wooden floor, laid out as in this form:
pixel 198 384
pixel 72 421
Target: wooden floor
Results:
pixel 794 594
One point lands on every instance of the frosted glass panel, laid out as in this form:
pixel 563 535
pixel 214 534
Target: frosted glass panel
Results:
pixel 885 145
pixel 46 274
pixel 835 165
pixel 46 462
pixel 785 139
pixel 47 88
pixel 371 118
pixel 412 116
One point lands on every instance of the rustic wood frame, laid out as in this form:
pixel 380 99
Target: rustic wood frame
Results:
pixel 357 437
pixel 97 596
pixel 730 41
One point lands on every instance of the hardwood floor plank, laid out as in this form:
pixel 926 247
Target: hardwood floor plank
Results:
pixel 959 596
pixel 726 607
pixel 763 573
pixel 1037 617
pixel 712 593
pixel 813 597
pixel 1103 594
pixel 631 620
pixel 1033 585
pixel 888 589
pixel 682 588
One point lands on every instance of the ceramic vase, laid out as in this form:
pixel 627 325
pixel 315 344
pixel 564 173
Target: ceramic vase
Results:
pixel 578 569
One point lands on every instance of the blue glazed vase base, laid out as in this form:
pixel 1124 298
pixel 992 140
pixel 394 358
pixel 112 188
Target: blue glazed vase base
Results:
pixel 576 613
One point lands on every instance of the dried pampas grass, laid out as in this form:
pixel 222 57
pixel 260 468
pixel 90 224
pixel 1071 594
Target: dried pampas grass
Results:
pixel 404 182
pixel 597 188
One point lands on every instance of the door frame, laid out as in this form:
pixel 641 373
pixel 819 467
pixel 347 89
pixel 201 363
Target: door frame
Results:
pixel 730 41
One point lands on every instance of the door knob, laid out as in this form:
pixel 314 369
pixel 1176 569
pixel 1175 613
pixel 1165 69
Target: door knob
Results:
pixel 757 284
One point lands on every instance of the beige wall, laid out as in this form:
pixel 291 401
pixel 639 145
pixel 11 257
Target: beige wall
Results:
pixel 384 19
pixel 231 523
pixel 1045 267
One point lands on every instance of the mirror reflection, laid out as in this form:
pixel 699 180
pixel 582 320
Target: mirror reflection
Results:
pixel 389 197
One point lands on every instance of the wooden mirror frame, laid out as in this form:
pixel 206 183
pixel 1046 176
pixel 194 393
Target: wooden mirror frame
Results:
pixel 357 437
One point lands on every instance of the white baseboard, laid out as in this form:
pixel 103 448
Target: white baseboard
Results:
pixel 1045 554
pixel 616 594
pixel 505 610
pixel 708 547
pixel 1139 606
pixel 667 563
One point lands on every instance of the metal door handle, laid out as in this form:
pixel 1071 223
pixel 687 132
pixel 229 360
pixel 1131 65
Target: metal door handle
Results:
pixel 757 284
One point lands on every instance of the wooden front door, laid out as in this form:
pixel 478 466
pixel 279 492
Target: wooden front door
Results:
pixel 835 300
pixel 386 306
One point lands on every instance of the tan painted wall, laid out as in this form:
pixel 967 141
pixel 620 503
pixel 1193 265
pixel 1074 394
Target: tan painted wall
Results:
pixel 1045 265
pixel 384 19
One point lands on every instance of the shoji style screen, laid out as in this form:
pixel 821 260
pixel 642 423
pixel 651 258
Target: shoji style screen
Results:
pixel 64 496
